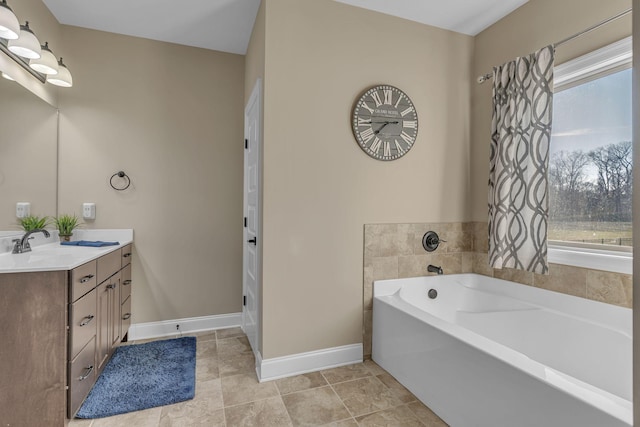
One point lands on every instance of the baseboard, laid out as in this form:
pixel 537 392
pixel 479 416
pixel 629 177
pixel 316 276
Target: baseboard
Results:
pixel 301 363
pixel 165 328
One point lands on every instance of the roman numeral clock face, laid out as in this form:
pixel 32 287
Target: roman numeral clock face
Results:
pixel 385 123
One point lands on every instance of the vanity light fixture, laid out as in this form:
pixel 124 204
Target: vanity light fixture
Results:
pixel 27 45
pixel 9 25
pixel 63 78
pixel 47 63
pixel 7 76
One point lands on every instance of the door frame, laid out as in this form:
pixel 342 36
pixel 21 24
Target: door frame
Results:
pixel 255 101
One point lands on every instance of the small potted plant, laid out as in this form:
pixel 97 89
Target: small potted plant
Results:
pixel 65 225
pixel 33 222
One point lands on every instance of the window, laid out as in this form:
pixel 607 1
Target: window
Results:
pixel 590 156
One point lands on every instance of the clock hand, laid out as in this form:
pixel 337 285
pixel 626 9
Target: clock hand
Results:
pixel 381 127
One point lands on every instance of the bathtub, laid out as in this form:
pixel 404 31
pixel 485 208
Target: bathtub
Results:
pixel 491 353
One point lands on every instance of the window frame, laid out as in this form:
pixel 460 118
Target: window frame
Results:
pixel 591 66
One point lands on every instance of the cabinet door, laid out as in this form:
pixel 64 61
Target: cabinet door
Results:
pixel 102 350
pixel 82 322
pixel 125 318
pixel 114 307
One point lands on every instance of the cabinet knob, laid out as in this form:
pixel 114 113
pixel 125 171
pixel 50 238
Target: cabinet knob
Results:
pixel 127 255
pixel 126 316
pixel 111 286
pixel 126 282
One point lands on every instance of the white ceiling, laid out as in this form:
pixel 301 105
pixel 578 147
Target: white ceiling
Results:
pixel 225 25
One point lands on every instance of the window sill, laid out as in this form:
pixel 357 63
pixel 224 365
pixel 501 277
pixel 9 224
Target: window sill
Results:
pixel 594 259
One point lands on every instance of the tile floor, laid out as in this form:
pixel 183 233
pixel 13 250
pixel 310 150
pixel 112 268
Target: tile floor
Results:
pixel 228 394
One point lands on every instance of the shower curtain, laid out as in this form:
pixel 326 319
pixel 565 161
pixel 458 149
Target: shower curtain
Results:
pixel 519 160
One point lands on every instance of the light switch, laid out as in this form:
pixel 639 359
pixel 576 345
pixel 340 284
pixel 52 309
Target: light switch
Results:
pixel 23 209
pixel 89 210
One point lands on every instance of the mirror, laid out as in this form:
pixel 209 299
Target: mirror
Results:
pixel 28 154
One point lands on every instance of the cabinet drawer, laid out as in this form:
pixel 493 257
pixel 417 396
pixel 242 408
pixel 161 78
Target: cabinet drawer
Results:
pixel 125 317
pixel 126 255
pixel 82 376
pixel 83 321
pixel 125 287
pixel 108 265
pixel 83 279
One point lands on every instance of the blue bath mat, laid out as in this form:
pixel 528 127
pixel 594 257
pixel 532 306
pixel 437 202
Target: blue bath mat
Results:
pixel 144 376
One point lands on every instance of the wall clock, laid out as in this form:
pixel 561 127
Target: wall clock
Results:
pixel 385 122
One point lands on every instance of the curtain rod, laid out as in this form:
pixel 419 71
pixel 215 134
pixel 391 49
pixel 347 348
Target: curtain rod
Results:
pixel 485 77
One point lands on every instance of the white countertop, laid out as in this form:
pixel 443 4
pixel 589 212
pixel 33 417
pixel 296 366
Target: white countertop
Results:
pixel 48 254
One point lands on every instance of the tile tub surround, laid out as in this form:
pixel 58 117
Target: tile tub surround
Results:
pixel 228 394
pixel 597 285
pixel 393 251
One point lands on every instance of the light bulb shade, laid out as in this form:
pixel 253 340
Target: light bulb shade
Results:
pixel 7 76
pixel 27 45
pixel 63 78
pixel 9 25
pixel 47 63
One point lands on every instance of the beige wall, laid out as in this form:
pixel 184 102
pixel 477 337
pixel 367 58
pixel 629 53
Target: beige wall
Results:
pixel 534 25
pixel 170 117
pixel 320 188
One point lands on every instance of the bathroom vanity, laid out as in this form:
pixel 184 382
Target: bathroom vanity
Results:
pixel 63 311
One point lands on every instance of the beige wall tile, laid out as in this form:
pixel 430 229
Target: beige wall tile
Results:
pixel 480 237
pixel 518 276
pixel 481 264
pixel 385 268
pixel 389 244
pixel 416 265
pixel 368 329
pixel 564 279
pixel 467 262
pixel 612 288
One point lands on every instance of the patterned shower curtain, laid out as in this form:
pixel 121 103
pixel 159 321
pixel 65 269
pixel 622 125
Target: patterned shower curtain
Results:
pixel 518 188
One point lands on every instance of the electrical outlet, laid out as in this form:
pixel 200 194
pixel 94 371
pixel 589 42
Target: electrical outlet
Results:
pixel 23 209
pixel 89 210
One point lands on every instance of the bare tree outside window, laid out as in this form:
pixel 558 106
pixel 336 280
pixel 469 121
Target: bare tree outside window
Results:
pixel 590 165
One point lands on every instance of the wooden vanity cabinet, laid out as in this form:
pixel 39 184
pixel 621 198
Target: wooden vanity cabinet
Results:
pixel 33 349
pixel 59 329
pixel 90 348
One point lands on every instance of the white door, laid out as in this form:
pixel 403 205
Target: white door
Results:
pixel 252 243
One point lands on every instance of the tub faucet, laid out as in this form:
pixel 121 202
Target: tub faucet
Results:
pixel 434 269
pixel 22 245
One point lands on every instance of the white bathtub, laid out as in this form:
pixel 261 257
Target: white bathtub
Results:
pixel 488 352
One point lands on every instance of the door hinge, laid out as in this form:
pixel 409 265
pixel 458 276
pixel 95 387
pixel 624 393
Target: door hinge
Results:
pixel 246 143
pixel 244 300
pixel 245 222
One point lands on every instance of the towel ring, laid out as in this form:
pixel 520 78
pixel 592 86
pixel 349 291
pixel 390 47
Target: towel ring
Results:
pixel 120 174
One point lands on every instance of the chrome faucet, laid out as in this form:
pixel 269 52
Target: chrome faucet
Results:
pixel 435 269
pixel 22 245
